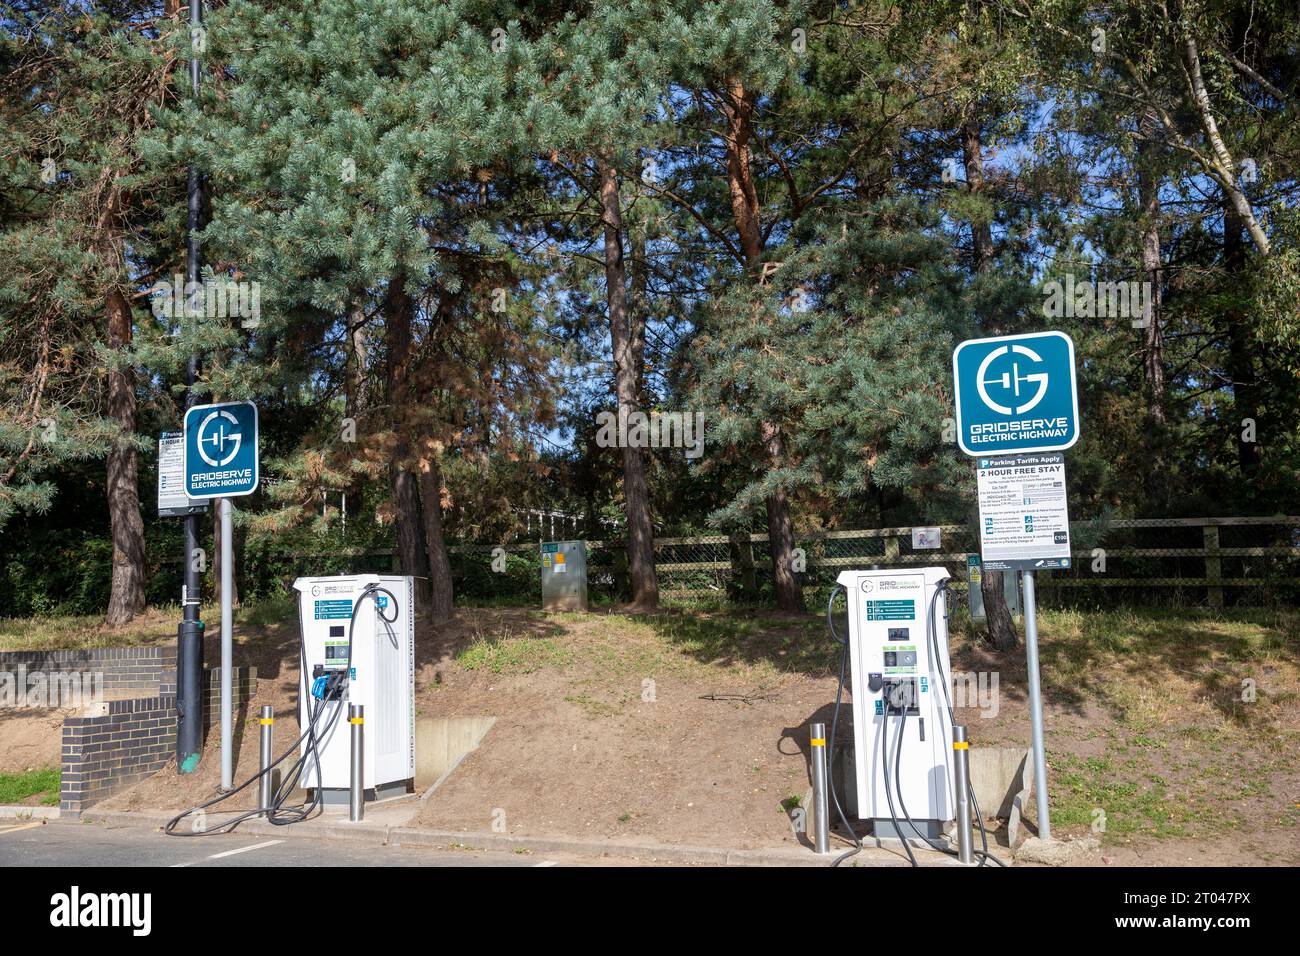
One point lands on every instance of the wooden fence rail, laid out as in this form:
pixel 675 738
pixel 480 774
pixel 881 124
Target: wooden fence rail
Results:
pixel 707 564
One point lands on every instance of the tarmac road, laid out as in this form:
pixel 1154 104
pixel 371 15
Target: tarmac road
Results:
pixel 67 843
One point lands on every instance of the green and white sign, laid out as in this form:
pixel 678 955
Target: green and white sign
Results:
pixel 221 459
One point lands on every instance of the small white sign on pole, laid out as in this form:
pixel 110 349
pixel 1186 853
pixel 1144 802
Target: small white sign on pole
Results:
pixel 172 500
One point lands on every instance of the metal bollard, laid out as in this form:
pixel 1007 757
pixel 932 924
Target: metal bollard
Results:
pixel 821 805
pixel 266 726
pixel 961 779
pixel 357 792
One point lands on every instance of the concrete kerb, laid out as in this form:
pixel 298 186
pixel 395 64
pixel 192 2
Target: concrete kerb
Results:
pixel 16 812
pixel 396 836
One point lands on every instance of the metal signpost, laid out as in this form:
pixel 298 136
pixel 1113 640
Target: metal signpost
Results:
pixel 173 502
pixel 1017 398
pixel 189 633
pixel 221 461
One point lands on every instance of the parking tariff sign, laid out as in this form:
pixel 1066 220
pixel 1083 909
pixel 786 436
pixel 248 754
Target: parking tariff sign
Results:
pixel 1016 394
pixel 1024 519
pixel 221 455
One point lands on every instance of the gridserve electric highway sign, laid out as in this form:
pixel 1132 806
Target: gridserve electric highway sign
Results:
pixel 1016 394
pixel 221 450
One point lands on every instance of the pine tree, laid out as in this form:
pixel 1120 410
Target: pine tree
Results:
pixel 80 223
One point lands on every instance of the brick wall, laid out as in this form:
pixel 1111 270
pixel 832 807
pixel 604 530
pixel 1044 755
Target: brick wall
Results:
pixel 106 752
pixel 245 684
pixel 120 672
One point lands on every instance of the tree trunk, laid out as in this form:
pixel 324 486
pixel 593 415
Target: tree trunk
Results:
pixel 1241 364
pixel 406 500
pixel 440 588
pixel 358 355
pixel 627 364
pixel 744 580
pixel 1153 366
pixel 997 616
pixel 780 531
pixel 126 595
pixel 1221 164
pixel 429 468
pixel 973 159
pixel 740 104
pixel 357 399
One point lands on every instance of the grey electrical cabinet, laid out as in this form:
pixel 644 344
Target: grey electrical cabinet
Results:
pixel 564 576
pixel 1010 587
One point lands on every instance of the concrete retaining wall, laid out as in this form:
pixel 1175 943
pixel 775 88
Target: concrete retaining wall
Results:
pixel 440 743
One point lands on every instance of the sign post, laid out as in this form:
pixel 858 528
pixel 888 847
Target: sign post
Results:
pixel 1017 397
pixel 221 461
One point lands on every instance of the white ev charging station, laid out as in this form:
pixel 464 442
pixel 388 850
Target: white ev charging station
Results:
pixel 358 636
pixel 898 648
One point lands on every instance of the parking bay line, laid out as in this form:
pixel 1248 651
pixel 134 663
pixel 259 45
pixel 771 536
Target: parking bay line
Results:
pixel 25 826
pixel 242 849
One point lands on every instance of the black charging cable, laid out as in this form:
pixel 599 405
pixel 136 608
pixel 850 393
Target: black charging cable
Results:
pixel 835 720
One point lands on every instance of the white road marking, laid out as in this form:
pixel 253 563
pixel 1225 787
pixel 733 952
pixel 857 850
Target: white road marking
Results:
pixel 545 863
pixel 25 826
pixel 255 846
pixel 217 856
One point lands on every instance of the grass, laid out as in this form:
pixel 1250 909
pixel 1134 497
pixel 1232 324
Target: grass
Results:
pixel 1117 801
pixel 502 653
pixel 596 708
pixel 69 633
pixel 1199 717
pixel 1145 664
pixel 154 625
pixel 17 787
pixel 777 643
